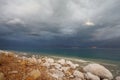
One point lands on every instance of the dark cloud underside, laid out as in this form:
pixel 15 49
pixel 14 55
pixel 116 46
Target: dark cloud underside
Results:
pixel 82 23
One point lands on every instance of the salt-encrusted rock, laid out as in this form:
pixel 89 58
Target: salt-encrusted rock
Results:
pixel 65 68
pixel 69 72
pixel 48 62
pixel 57 74
pixel 35 74
pixel 39 60
pixel 24 54
pixel 98 70
pixel 90 76
pixel 78 74
pixel 32 60
pixel 1 76
pixel 76 78
pixel 5 52
pixel 1 51
pixel 71 64
pixel 57 66
pixel 118 78
pixel 23 57
pixel 62 61
pixel 105 79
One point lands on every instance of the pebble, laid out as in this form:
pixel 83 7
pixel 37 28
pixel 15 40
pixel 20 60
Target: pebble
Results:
pixel 78 74
pixel 35 74
pixel 13 72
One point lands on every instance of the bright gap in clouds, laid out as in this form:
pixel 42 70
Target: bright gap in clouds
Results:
pixel 89 23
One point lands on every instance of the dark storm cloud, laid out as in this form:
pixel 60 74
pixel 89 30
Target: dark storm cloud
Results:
pixel 78 21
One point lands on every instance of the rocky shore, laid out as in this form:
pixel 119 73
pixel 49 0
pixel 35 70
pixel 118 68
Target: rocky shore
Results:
pixel 18 67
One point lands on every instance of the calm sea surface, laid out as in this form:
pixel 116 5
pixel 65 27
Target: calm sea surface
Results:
pixel 104 54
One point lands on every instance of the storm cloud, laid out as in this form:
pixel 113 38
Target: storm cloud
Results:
pixel 63 22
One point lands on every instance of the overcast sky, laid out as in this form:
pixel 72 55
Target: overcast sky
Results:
pixel 60 22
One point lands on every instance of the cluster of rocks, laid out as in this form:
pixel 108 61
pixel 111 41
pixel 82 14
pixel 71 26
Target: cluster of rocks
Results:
pixel 13 66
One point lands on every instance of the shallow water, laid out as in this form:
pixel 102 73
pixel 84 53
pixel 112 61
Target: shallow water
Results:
pixel 103 54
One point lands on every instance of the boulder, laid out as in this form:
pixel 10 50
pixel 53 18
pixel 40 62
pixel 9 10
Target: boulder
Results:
pixel 39 60
pixel 71 64
pixel 57 74
pixel 78 74
pixel 98 70
pixel 62 61
pixel 57 66
pixel 64 69
pixel 32 60
pixel 48 62
pixel 76 78
pixel 35 74
pixel 105 79
pixel 90 76
pixel 118 78
pixel 1 76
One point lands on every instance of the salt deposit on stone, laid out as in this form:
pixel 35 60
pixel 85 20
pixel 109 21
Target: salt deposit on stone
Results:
pixel 57 66
pixel 90 76
pixel 98 70
pixel 39 60
pixel 78 74
pixel 35 74
pixel 34 60
pixel 71 64
pixel 48 62
pixel 61 61
pixel 118 78
pixel 57 74
pixel 65 68
pixel 105 79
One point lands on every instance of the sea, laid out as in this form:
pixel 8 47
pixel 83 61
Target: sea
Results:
pixel 103 54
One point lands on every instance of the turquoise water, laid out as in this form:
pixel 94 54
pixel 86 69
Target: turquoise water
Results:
pixel 104 54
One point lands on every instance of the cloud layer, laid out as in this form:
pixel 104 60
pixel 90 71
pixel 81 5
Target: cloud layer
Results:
pixel 57 21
